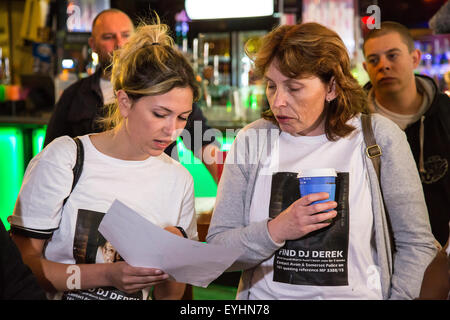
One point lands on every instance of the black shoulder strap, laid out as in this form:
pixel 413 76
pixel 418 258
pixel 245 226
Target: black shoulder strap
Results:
pixel 78 167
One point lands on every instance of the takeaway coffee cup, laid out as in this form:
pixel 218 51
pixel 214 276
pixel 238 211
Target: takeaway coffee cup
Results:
pixel 318 180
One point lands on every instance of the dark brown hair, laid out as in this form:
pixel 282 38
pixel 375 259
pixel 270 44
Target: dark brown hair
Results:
pixel 311 49
pixel 387 27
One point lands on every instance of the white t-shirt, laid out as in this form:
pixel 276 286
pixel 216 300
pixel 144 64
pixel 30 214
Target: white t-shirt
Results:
pixel 107 91
pixel 345 155
pixel 159 188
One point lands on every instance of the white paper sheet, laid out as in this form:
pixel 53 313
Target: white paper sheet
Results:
pixel 143 244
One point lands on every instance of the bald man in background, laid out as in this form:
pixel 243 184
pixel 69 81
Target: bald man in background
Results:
pixel 82 102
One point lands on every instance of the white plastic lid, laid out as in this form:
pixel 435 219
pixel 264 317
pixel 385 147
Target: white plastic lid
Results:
pixel 320 172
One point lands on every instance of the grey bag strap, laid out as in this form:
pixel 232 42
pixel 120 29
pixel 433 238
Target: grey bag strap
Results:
pixel 78 167
pixel 373 151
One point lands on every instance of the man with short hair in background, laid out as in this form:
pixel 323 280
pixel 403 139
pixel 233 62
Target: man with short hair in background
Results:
pixel 416 105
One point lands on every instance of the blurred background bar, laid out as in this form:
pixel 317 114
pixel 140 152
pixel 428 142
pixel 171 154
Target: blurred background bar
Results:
pixel 44 49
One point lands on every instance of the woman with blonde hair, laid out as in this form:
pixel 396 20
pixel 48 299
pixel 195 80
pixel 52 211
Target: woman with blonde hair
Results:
pixel 300 246
pixel 155 87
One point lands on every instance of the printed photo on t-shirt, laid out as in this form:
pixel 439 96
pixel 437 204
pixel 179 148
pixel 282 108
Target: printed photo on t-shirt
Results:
pixel 89 246
pixel 321 257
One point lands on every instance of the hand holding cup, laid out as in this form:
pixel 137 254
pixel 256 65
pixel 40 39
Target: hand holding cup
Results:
pixel 314 209
pixel 305 215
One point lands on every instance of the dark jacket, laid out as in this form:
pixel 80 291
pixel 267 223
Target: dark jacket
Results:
pixel 81 104
pixel 17 282
pixel 436 158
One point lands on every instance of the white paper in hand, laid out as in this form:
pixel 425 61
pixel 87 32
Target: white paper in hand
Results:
pixel 143 244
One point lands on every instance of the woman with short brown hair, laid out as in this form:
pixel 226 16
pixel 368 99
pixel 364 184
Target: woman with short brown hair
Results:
pixel 311 49
pixel 308 246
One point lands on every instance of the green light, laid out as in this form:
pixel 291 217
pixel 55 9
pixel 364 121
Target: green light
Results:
pixel 253 102
pixel 229 106
pixel 225 142
pixel 11 170
pixel 38 140
pixel 246 101
pixel 204 184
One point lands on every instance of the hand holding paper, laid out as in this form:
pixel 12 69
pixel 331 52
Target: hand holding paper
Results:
pixel 143 244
